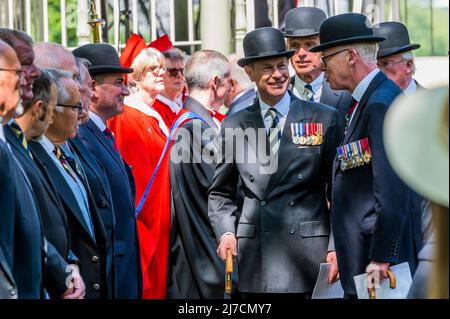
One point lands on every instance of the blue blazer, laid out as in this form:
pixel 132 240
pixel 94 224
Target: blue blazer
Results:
pixel 370 218
pixel 127 254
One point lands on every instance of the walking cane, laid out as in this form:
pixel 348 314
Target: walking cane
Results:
pixel 392 284
pixel 228 272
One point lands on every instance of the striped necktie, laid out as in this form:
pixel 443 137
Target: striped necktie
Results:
pixel 309 93
pixel 19 134
pixel 61 157
pixel 274 131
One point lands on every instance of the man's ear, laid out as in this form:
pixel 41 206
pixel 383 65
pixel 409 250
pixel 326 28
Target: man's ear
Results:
pixel 37 110
pixel 215 83
pixel 352 56
pixel 410 66
pixel 249 71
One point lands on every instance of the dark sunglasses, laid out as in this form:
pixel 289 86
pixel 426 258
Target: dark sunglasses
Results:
pixel 173 72
pixel 79 106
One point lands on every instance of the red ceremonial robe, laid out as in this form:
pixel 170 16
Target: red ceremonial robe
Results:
pixel 167 114
pixel 141 141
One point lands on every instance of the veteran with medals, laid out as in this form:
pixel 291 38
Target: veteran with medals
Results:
pixel 371 223
pixel 282 229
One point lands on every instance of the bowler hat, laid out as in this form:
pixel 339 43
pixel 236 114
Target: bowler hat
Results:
pixel 397 39
pixel 264 43
pixel 345 28
pixel 303 22
pixel 103 58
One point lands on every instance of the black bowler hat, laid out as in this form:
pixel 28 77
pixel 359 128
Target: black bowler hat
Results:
pixel 264 43
pixel 303 22
pixel 103 58
pixel 397 39
pixel 345 28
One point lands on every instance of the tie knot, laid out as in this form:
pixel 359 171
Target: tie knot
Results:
pixel 108 133
pixel 273 112
pixel 309 87
pixel 57 152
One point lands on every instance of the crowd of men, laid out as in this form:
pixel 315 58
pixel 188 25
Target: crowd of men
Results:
pixel 95 203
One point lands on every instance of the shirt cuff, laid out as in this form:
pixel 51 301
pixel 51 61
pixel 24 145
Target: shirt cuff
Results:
pixel 226 234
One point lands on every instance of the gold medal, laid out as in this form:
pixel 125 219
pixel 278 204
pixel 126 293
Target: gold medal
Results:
pixel 320 140
pixel 302 140
pixel 315 139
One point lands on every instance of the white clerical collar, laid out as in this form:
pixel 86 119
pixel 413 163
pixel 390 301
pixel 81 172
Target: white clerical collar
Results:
pixel 411 88
pixel 362 87
pixel 282 106
pixel 135 102
pixel 316 84
pixel 97 121
pixel 175 106
pixel 46 144
pixel 2 133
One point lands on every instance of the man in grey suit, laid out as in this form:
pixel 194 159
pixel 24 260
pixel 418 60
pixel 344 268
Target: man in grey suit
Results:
pixel 309 83
pixel 283 227
pixel 242 91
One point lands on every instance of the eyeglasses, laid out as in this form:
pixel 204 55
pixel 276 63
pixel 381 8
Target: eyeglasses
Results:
pixel 18 72
pixel 173 72
pixel 389 64
pixel 156 70
pixel 79 106
pixel 330 55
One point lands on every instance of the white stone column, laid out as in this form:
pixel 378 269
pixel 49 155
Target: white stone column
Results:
pixel 241 26
pixel 216 25
pixel 83 28
pixel 395 11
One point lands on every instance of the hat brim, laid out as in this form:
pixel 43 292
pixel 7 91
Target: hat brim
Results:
pixel 96 70
pixel 300 33
pixel 336 43
pixel 244 61
pixel 415 142
pixel 397 50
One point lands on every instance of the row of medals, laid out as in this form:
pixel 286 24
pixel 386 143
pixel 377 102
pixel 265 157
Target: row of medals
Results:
pixel 307 140
pixel 355 161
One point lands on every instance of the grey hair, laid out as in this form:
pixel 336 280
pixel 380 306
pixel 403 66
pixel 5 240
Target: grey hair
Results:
pixel 62 94
pixel 409 56
pixel 238 74
pixel 42 88
pixel 367 52
pixel 82 62
pixel 174 54
pixel 11 36
pixel 48 53
pixel 202 66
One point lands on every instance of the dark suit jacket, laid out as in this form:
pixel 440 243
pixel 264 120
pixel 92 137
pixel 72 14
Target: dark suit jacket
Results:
pixel 284 227
pixel 99 186
pixel 195 271
pixel 242 102
pixel 91 252
pixel 338 99
pixel 7 206
pixel 370 217
pixel 54 222
pixel 127 254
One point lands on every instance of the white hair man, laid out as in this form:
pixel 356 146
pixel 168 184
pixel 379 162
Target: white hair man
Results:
pixel 395 56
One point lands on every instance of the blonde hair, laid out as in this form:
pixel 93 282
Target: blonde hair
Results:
pixel 148 58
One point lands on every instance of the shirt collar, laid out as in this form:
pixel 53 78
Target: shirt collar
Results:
pixel 46 144
pixel 282 106
pixel 411 88
pixel 136 102
pixel 175 106
pixel 316 84
pixel 2 134
pixel 362 87
pixel 97 121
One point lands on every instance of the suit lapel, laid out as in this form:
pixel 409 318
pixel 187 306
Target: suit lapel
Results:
pixel 102 139
pixel 62 187
pixel 362 104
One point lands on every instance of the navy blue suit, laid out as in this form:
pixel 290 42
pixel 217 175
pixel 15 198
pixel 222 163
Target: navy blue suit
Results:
pixel 54 222
pixel 8 289
pixel 127 254
pixel 90 251
pixel 99 185
pixel 369 217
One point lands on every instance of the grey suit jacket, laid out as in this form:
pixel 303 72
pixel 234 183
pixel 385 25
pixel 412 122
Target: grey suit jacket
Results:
pixel 284 226
pixel 242 102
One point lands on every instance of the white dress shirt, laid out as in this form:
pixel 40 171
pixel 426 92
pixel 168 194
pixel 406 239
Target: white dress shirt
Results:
pixel 411 88
pixel 282 107
pixel 175 106
pixel 97 121
pixel 2 134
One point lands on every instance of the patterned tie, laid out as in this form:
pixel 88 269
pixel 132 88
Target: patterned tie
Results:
pixel 19 134
pixel 274 131
pixel 309 93
pixel 110 137
pixel 349 114
pixel 61 157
